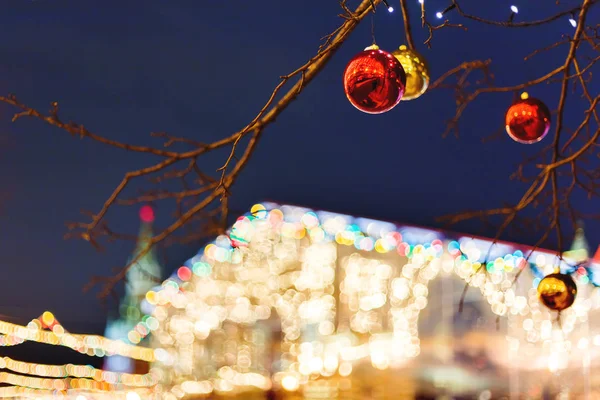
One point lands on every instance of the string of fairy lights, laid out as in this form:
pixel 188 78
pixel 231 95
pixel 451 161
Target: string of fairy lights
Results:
pixel 76 371
pixel 59 380
pixel 61 383
pixel 77 394
pixel 514 10
pixel 92 345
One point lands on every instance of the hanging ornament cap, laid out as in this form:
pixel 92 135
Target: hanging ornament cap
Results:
pixel 527 120
pixel 417 72
pixel 374 81
pixel 557 291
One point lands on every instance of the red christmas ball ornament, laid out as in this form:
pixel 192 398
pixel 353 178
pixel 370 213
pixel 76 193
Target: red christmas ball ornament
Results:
pixel 527 120
pixel 374 81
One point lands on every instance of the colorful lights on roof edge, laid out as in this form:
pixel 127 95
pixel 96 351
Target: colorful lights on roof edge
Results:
pixel 369 234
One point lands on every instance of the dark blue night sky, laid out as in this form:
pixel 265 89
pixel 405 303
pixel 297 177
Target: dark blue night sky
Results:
pixel 202 69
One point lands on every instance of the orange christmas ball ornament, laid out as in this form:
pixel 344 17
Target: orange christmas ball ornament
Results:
pixel 557 291
pixel 374 81
pixel 527 120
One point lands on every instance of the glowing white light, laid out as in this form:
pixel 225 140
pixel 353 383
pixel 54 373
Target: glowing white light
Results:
pixel 345 369
pixel 421 1
pixel 439 14
pixel 133 396
pixel 391 9
pixel 553 362
pixel 514 9
pixel 573 22
pixel 290 383
pixel 485 395
pixel 80 397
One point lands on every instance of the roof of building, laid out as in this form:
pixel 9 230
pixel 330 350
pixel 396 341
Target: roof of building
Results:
pixel 382 236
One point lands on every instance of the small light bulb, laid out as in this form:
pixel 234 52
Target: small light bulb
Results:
pixel 421 1
pixel 439 15
pixel 390 9
pixel 573 22
pixel 514 9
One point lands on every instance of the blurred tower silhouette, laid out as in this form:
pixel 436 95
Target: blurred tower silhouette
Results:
pixel 580 249
pixel 141 277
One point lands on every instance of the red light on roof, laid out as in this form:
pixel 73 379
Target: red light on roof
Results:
pixel 596 258
pixel 146 214
pixel 184 273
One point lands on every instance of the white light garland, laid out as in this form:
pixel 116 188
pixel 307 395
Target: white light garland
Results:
pixel 92 345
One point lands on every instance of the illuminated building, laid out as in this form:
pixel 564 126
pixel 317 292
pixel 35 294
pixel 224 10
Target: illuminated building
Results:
pixel 325 304
pixel 130 322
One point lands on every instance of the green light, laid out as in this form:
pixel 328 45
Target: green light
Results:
pixel 133 312
pixel 172 284
pixel 202 269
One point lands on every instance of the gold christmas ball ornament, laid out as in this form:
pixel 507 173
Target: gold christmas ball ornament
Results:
pixel 417 72
pixel 557 291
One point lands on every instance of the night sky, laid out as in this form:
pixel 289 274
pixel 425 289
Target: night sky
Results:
pixel 202 69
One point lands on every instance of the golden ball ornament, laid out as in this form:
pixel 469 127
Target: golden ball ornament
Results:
pixel 557 291
pixel 417 72
pixel 527 120
pixel 374 81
